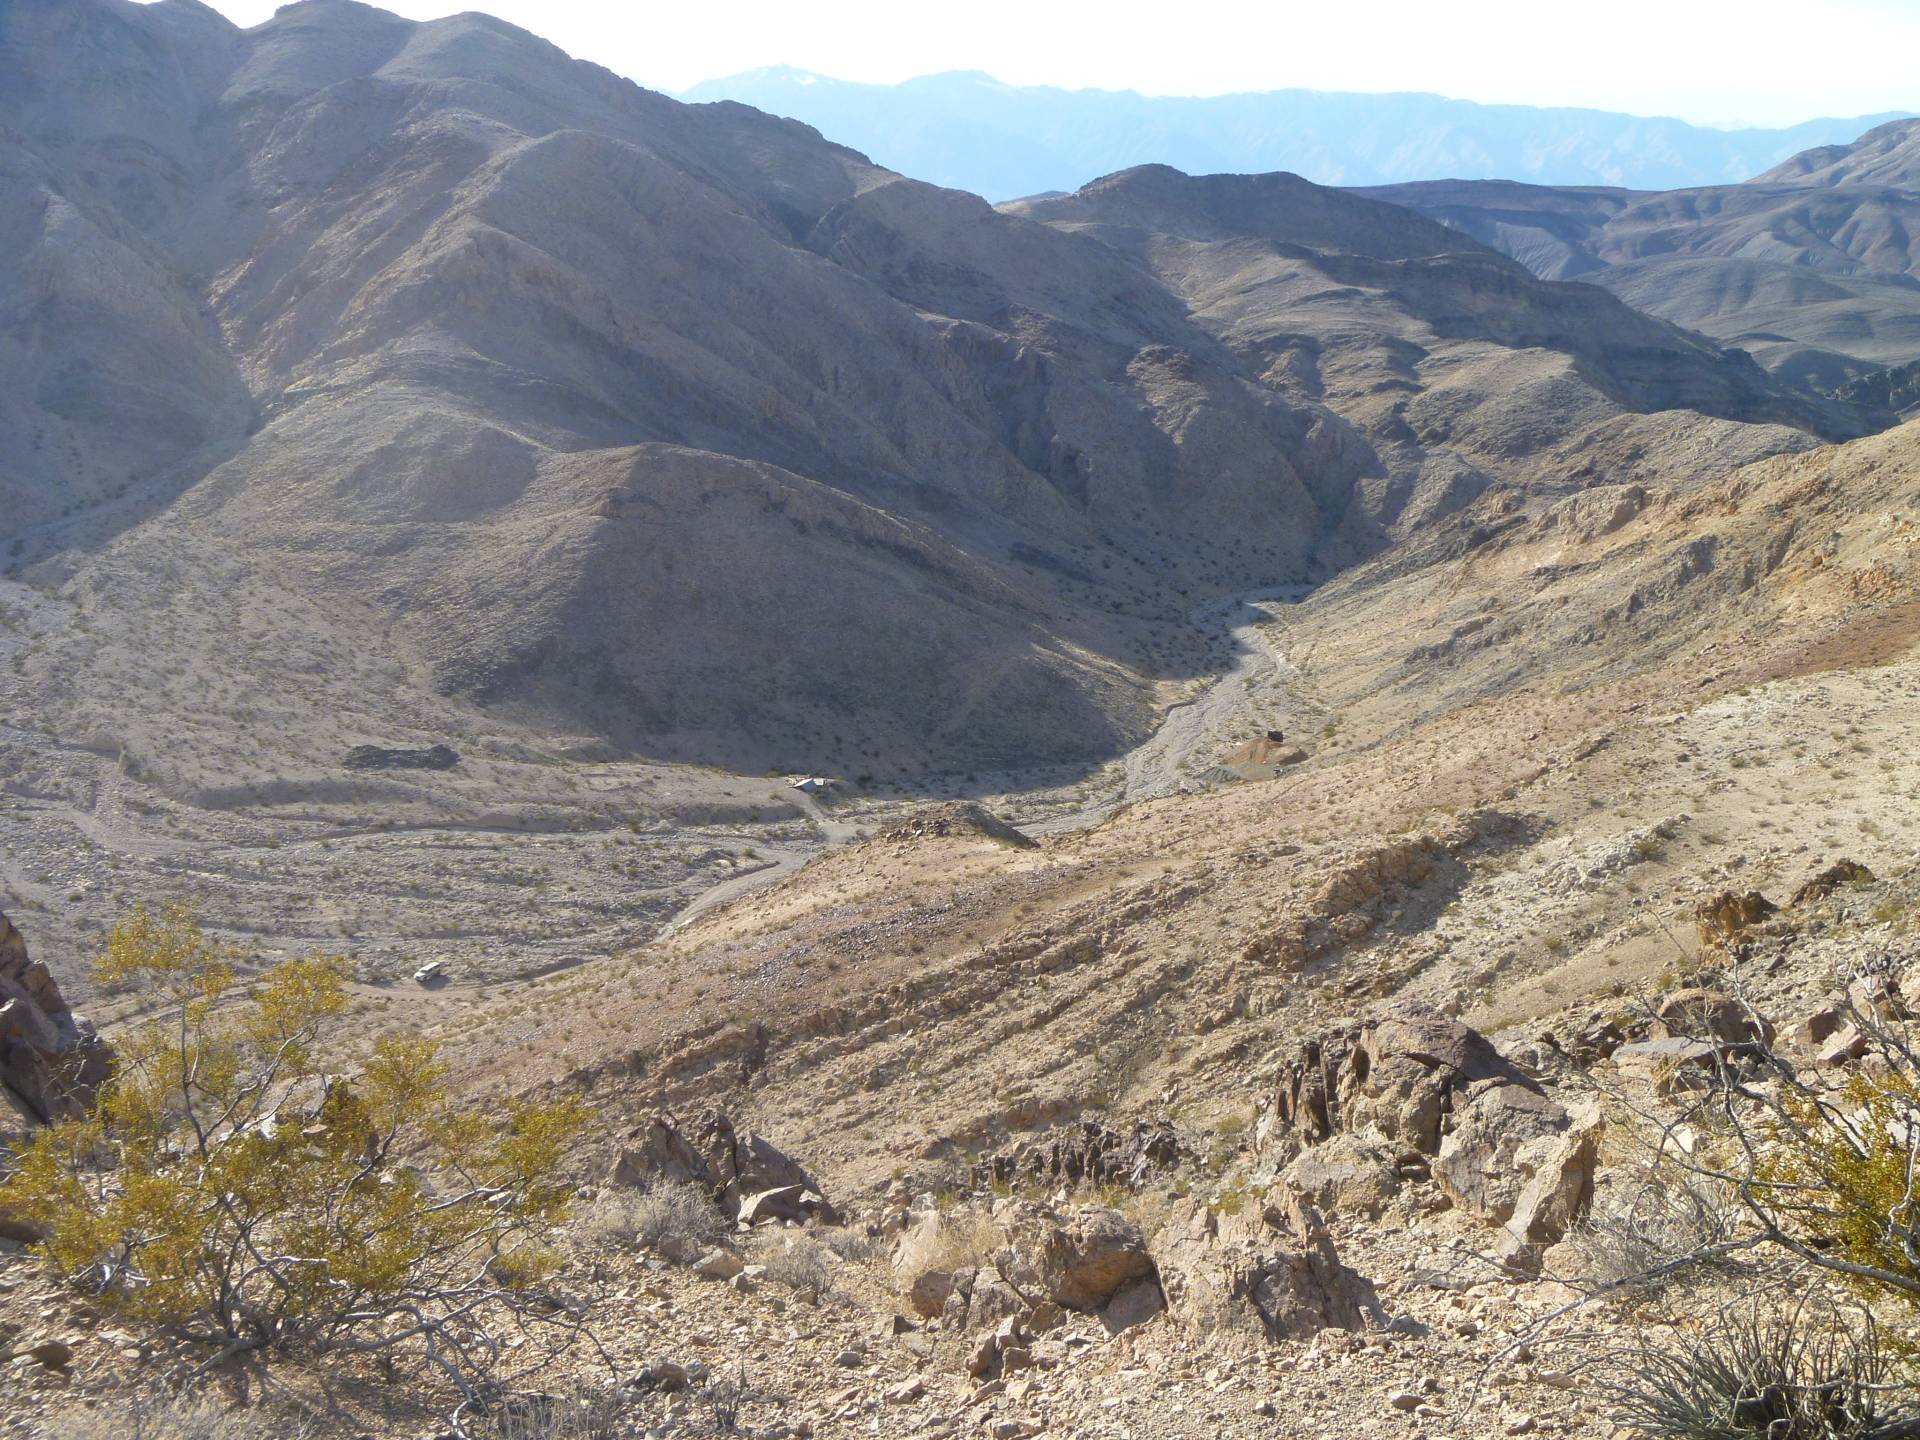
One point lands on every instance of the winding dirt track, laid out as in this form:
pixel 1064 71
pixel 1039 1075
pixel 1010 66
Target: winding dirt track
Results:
pixel 1190 731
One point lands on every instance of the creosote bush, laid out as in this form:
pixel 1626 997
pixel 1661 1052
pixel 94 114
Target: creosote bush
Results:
pixel 229 1189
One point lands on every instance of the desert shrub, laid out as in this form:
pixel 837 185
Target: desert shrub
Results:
pixel 849 1244
pixel 951 1240
pixel 1801 1373
pixel 582 1412
pixel 1839 1175
pixel 229 1189
pixel 671 1211
pixel 797 1261
pixel 1824 1164
pixel 1655 1225
pixel 163 1415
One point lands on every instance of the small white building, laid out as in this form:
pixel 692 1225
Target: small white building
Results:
pixel 809 784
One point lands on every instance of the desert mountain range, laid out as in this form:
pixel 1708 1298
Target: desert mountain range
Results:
pixel 977 133
pixel 1810 267
pixel 434 326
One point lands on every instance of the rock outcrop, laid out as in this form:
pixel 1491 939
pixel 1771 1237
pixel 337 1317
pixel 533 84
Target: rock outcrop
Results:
pixel 1841 872
pixel 1397 1078
pixel 51 1061
pixel 1724 918
pixel 1264 1272
pixel 748 1176
pixel 1087 1153
pixel 1080 1260
pixel 960 818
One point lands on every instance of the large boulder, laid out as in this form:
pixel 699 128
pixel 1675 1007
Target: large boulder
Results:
pixel 1078 1260
pixel 1559 1189
pixel 1701 1014
pixel 980 1298
pixel 52 1063
pixel 1265 1272
pixel 1478 1165
pixel 1348 1175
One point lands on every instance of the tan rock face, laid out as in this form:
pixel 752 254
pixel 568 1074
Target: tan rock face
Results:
pixel 51 1061
pixel 1271 1273
pixel 1722 918
pixel 1348 1175
pixel 1078 1260
pixel 1479 1163
pixel 1558 1192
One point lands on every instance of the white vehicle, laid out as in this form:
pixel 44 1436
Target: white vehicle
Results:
pixel 428 973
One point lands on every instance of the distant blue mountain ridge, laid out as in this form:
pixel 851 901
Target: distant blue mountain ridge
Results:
pixel 968 131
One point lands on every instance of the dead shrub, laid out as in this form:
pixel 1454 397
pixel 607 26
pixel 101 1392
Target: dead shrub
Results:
pixel 161 1415
pixel 946 1242
pixel 673 1215
pixel 1659 1225
pixel 798 1261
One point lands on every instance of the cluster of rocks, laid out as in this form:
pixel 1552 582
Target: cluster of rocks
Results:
pixel 1262 1267
pixel 1087 1153
pixel 1366 1110
pixel 750 1178
pixel 51 1060
pixel 959 818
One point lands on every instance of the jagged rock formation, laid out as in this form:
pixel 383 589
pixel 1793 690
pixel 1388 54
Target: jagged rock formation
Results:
pixel 1399 1078
pixel 1895 390
pixel 1088 1153
pixel 749 1177
pixel 51 1061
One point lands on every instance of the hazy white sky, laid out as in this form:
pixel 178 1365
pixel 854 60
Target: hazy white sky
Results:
pixel 1710 61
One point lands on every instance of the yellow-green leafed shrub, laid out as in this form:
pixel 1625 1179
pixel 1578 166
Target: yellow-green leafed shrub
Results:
pixel 1842 1174
pixel 226 1187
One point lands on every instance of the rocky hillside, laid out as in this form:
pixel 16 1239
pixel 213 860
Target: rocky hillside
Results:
pixel 684 429
pixel 1810 266
pixel 1886 155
